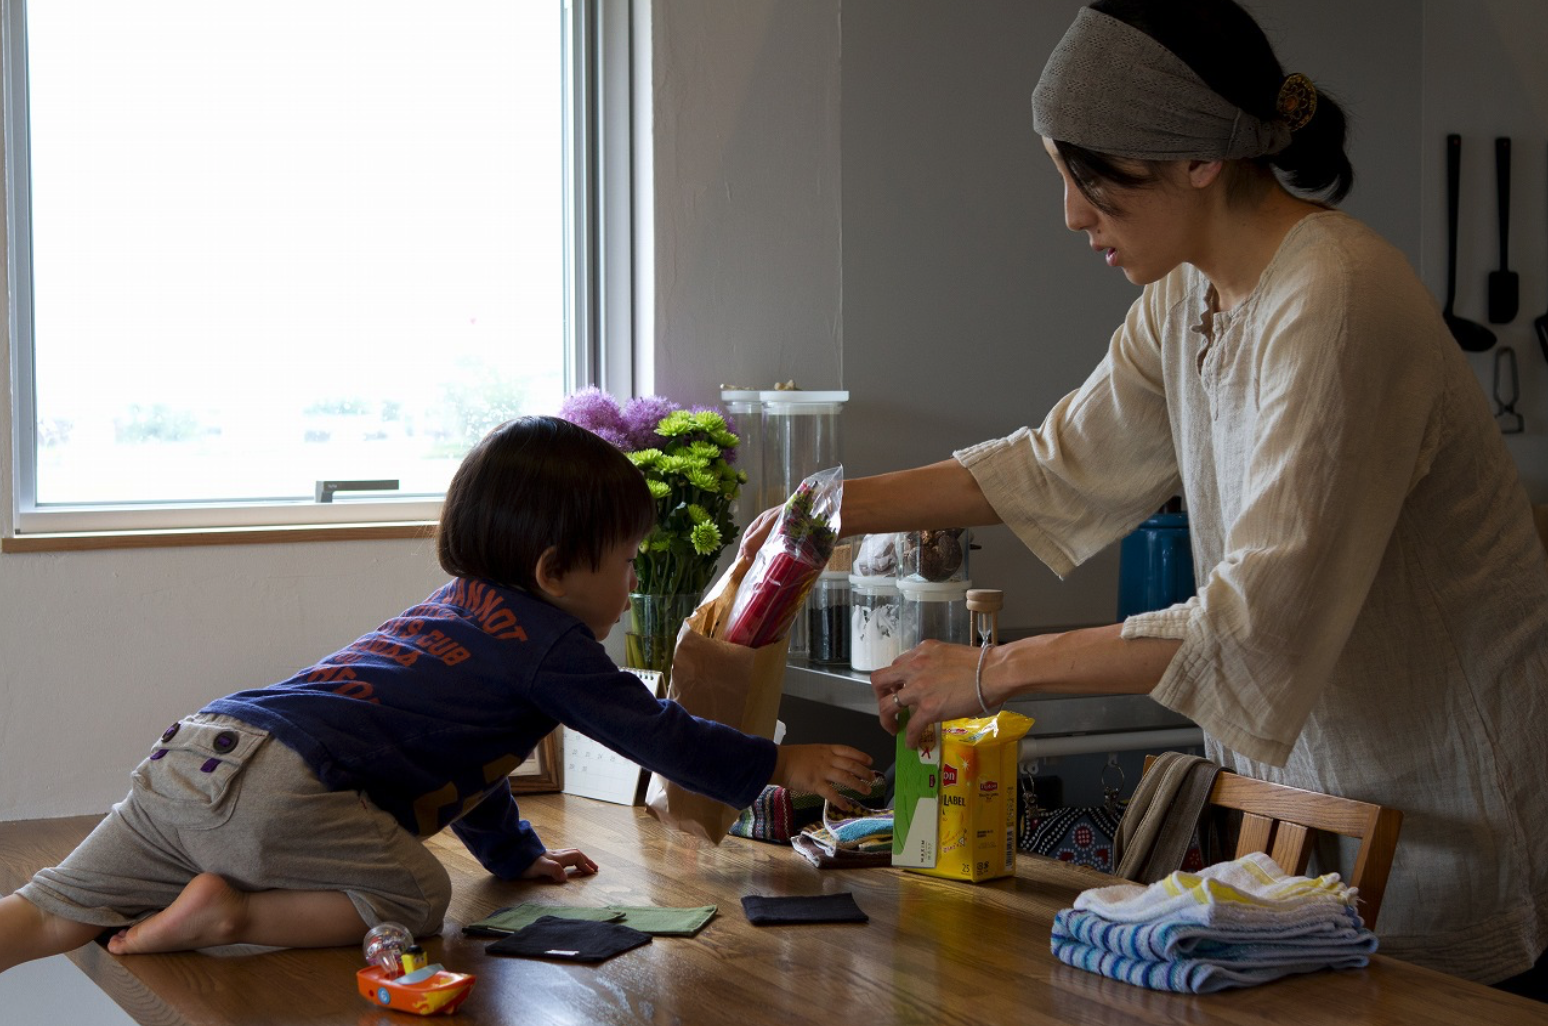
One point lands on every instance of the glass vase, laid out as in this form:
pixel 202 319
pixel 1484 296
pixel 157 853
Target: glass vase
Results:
pixel 654 621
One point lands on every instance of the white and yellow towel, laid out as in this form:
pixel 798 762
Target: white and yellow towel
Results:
pixel 1234 924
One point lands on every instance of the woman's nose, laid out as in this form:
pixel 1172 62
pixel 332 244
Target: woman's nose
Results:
pixel 1079 214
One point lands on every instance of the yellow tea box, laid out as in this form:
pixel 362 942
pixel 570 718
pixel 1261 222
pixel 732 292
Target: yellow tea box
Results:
pixel 955 808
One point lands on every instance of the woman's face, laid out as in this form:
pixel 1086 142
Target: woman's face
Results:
pixel 1151 228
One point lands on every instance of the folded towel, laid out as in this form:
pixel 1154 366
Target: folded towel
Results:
pixel 1168 940
pixel 1188 975
pixel 1234 924
pixel 1240 894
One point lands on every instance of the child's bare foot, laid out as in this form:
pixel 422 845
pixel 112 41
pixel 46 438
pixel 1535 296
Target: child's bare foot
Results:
pixel 208 912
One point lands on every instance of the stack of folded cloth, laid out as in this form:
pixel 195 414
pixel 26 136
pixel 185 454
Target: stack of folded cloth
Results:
pixel 1234 924
pixel 852 842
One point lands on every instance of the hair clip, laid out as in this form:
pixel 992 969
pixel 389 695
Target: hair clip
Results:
pixel 1297 101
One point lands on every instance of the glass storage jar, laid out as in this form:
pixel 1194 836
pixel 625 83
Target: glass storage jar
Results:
pixel 800 437
pixel 745 407
pixel 828 618
pixel 935 610
pixel 875 606
pixel 940 555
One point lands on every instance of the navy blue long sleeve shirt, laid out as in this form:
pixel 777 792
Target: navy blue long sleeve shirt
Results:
pixel 429 714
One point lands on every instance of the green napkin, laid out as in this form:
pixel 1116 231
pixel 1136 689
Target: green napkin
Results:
pixel 509 920
pixel 666 921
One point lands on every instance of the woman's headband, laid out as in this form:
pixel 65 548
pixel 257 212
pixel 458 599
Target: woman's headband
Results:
pixel 1112 89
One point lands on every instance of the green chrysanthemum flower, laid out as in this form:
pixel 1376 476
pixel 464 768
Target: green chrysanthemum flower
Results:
pixel 704 479
pixel 705 538
pixel 697 514
pixel 658 489
pixel 678 422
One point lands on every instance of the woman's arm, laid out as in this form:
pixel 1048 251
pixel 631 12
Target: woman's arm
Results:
pixel 937 681
pixel 939 495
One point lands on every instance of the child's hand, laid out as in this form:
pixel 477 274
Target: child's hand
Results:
pixel 823 769
pixel 555 865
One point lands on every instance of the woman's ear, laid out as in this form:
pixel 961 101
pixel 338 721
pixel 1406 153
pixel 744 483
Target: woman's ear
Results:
pixel 547 575
pixel 1202 173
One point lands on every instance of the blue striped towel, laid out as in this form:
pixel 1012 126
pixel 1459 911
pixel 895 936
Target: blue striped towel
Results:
pixel 1233 925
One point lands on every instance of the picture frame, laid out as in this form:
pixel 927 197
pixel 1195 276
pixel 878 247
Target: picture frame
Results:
pixel 541 772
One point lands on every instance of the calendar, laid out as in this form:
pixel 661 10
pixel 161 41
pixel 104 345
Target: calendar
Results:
pixel 593 770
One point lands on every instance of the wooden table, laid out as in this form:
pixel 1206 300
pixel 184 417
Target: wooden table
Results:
pixel 934 952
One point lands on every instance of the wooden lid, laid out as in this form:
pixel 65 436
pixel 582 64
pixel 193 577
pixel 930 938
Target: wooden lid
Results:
pixel 985 600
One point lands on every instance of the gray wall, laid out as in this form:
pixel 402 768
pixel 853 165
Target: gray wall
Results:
pixel 964 308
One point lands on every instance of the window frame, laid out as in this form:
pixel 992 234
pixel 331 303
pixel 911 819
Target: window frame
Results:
pixel 598 139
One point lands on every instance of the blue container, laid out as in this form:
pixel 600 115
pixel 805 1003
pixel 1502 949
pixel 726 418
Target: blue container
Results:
pixel 1155 565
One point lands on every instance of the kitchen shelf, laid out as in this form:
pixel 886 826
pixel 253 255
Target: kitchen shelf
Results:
pixel 1053 715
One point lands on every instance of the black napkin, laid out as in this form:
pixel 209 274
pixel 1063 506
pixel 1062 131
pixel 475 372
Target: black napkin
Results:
pixel 763 910
pixel 573 940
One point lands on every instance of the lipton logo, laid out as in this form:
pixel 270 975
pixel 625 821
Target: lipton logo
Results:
pixel 949 775
pixel 989 787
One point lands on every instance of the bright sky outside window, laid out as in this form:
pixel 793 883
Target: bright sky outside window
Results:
pixel 280 241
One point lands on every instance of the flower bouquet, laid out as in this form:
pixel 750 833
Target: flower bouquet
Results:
pixel 687 458
pixel 788 562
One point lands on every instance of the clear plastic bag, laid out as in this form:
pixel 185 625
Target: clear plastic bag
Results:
pixel 788 562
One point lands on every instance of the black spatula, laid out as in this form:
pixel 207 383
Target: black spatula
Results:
pixel 1470 335
pixel 1504 286
pixel 1541 324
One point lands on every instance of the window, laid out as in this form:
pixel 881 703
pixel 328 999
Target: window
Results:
pixel 256 246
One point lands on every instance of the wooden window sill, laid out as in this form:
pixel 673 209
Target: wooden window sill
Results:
pixel 92 540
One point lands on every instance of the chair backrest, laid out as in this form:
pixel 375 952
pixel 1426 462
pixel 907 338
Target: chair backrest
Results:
pixel 1282 822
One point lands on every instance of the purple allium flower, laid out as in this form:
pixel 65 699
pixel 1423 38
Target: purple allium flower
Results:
pixel 596 411
pixel 640 417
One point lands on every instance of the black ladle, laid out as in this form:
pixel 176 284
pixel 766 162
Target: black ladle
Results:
pixel 1470 335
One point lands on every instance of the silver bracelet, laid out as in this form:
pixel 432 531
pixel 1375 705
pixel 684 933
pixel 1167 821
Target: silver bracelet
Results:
pixel 978 679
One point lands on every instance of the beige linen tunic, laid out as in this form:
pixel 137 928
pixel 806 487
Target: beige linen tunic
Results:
pixel 1372 611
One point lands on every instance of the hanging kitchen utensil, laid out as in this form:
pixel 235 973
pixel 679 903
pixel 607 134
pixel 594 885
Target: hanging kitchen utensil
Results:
pixel 1504 284
pixel 1506 392
pixel 1470 335
pixel 1541 324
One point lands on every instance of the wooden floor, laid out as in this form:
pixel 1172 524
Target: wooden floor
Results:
pixel 934 952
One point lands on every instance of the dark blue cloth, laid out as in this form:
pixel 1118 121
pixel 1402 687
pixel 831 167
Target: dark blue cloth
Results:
pixel 429 713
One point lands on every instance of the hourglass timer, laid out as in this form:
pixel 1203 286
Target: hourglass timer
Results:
pixel 984 606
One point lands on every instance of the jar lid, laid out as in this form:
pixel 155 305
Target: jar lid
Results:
pixel 935 591
pixel 795 399
pixel 740 395
pixel 864 581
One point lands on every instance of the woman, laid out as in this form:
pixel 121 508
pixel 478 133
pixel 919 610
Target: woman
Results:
pixel 1372 615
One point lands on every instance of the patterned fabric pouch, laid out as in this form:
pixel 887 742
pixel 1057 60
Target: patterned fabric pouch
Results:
pixel 778 813
pixel 1080 834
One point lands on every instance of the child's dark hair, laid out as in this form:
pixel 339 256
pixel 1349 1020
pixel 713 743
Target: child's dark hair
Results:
pixel 536 482
pixel 1224 45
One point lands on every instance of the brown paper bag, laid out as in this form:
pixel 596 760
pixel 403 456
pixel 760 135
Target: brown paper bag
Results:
pixel 731 684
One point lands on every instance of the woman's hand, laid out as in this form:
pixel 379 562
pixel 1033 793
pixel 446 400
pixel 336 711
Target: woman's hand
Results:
pixel 823 769
pixel 934 681
pixel 556 863
pixel 757 531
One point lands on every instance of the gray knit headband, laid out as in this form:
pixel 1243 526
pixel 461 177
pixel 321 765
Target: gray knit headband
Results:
pixel 1112 89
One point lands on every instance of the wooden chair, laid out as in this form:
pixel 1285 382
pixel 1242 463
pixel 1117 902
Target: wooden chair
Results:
pixel 1282 822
